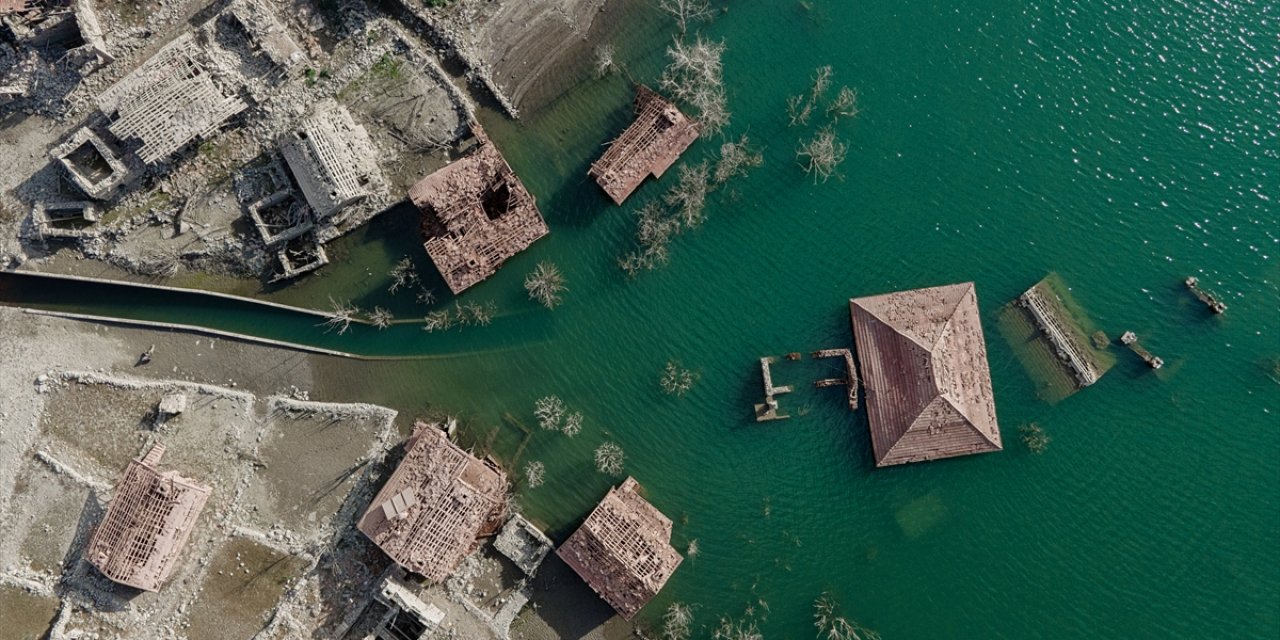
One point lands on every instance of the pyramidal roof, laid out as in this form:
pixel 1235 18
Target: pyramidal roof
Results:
pixel 924 365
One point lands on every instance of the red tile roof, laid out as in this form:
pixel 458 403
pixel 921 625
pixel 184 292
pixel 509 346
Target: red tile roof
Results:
pixel 924 365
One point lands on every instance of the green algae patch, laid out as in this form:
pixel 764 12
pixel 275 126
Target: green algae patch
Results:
pixel 920 515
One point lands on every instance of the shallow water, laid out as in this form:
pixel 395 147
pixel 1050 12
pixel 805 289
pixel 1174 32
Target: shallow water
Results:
pixel 1125 145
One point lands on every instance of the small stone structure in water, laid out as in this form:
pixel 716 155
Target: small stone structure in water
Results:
pixel 524 544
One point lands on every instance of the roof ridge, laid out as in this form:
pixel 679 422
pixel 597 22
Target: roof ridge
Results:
pixel 903 436
pixel 972 424
pixel 892 326
pixel 951 315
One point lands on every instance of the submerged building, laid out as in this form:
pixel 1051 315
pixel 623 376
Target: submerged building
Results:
pixel 147 523
pixel 653 142
pixel 436 505
pixel 623 550
pixel 924 366
pixel 476 214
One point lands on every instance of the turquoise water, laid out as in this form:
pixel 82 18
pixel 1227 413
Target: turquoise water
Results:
pixel 1125 145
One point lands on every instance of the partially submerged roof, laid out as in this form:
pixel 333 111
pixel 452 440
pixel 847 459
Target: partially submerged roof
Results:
pixel 653 142
pixel 332 158
pixel 476 214
pixel 168 101
pixel 440 499
pixel 147 523
pixel 924 365
pixel 623 550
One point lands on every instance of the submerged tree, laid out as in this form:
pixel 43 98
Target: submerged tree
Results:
pixel 604 60
pixel 549 411
pixel 798 110
pixel 821 155
pixel 474 313
pixel 380 318
pixel 695 76
pixel 534 473
pixel 845 104
pixel 545 284
pixel 572 424
pixel 676 380
pixel 403 274
pixel 736 158
pixel 689 196
pixel 686 11
pixel 677 621
pixel 821 82
pixel 737 630
pixel 609 458
pixel 341 315
pixel 1034 437
pixel 832 626
pixel 438 320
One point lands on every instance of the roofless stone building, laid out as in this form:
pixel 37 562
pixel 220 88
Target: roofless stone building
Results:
pixel 924 366
pixel 148 521
pixel 476 214
pixel 170 100
pixel 653 142
pixel 332 159
pixel 623 550
pixel 440 499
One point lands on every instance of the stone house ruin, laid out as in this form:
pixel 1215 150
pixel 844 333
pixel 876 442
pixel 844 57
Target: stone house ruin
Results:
pixel 623 550
pixel 523 544
pixel 329 158
pixel 94 165
pixel 476 214
pixel 332 159
pixel 438 502
pixel 266 34
pixel 924 366
pixel 653 142
pixel 405 617
pixel 170 100
pixel 71 24
pixel 147 523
